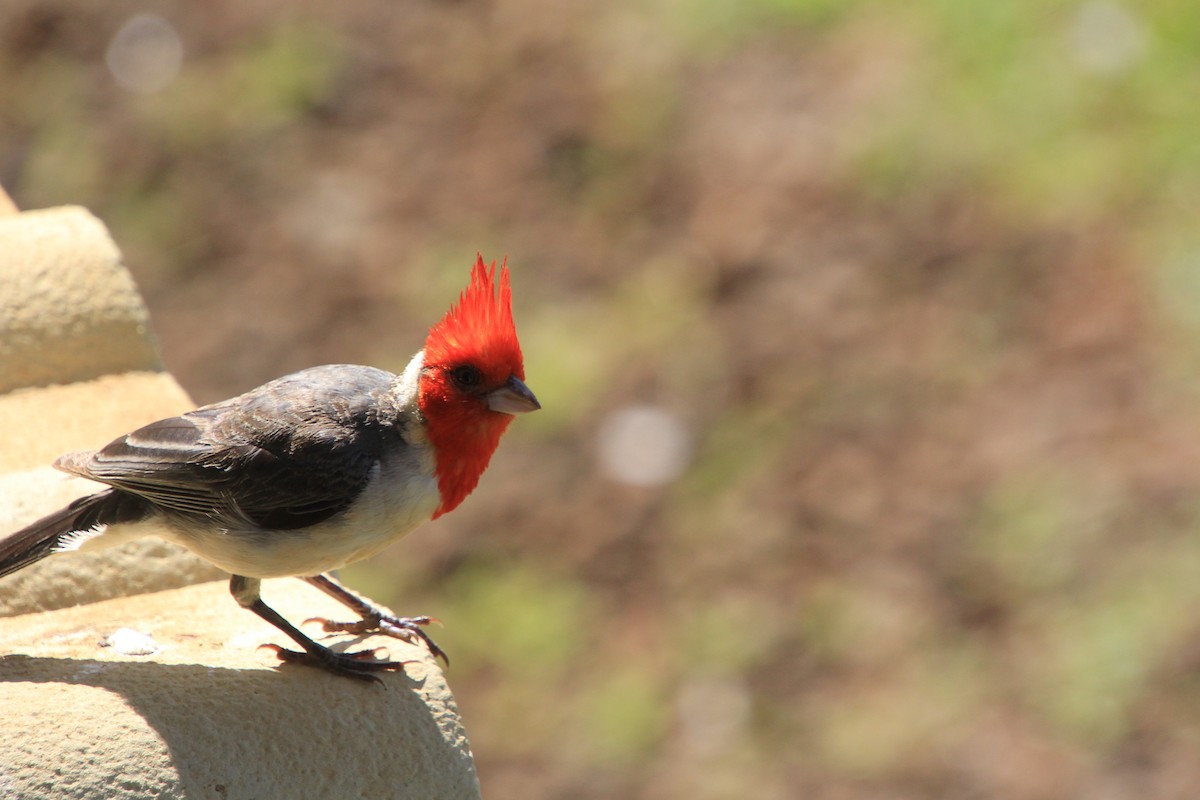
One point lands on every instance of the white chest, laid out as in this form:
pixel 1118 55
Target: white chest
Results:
pixel 401 494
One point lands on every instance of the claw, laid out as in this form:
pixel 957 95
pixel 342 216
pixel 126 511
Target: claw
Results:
pixel 329 626
pixel 373 655
pixel 408 629
pixel 325 623
pixel 360 664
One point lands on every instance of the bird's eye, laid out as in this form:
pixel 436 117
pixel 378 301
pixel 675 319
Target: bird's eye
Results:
pixel 466 376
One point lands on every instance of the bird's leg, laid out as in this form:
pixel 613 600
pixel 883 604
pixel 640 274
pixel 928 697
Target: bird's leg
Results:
pixel 373 619
pixel 359 665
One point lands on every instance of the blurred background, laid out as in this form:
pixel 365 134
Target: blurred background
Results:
pixel 868 337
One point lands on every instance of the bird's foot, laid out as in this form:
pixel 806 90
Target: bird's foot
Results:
pixel 361 664
pixel 410 629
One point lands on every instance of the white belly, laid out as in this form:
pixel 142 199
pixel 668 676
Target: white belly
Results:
pixel 391 506
pixel 385 511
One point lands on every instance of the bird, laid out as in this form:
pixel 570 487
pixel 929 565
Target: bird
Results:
pixel 311 471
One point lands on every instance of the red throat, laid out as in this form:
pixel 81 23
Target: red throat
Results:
pixel 464 446
pixel 464 432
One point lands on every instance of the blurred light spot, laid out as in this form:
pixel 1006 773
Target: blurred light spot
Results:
pixel 643 446
pixel 714 713
pixel 333 214
pixel 1106 38
pixel 145 55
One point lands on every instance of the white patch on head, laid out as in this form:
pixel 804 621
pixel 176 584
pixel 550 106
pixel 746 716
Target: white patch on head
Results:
pixel 406 387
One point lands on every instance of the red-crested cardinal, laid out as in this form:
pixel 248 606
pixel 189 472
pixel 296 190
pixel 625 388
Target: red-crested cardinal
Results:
pixel 310 472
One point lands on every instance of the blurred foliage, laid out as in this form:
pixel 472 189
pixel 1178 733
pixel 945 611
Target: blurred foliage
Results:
pixel 920 280
pixel 521 619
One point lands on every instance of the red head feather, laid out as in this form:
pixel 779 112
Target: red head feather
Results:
pixel 478 332
pixel 481 326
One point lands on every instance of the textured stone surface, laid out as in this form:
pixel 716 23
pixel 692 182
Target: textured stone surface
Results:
pixel 68 310
pixel 147 565
pixel 212 715
pixel 40 425
pixel 7 206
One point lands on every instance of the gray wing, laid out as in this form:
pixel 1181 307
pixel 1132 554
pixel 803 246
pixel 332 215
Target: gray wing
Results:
pixel 289 454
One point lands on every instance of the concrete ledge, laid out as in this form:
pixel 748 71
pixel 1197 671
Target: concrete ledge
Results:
pixel 43 423
pixel 148 565
pixel 68 310
pixel 209 715
pixel 40 425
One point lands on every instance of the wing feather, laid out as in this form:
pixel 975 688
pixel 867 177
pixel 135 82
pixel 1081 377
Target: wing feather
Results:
pixel 289 454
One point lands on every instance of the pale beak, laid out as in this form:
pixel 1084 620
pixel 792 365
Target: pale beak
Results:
pixel 513 397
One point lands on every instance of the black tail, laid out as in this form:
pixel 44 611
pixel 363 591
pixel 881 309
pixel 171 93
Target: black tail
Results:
pixel 41 538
